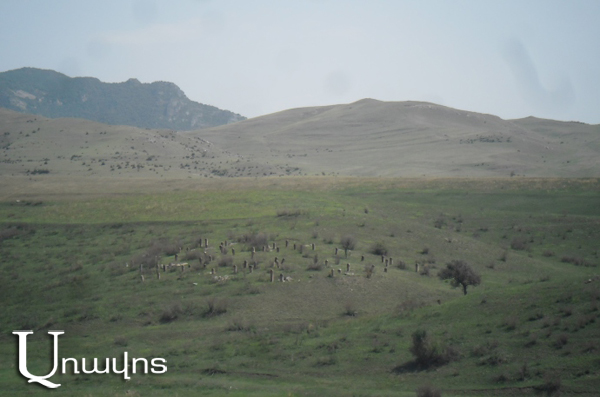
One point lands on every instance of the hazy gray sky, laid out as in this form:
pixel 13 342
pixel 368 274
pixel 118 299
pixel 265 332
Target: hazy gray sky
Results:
pixel 509 58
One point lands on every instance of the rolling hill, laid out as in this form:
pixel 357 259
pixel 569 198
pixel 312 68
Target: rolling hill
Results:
pixel 156 105
pixel 366 138
pixel 374 138
pixel 34 146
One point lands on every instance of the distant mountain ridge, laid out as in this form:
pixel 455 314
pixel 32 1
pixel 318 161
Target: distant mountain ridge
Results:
pixel 155 105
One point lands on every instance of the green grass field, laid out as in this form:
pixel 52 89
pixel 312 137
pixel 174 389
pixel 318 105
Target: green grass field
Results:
pixel 71 261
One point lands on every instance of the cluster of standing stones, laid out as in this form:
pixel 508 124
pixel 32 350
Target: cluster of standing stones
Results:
pixel 205 259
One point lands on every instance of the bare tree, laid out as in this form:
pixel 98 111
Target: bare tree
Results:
pixel 348 243
pixel 460 273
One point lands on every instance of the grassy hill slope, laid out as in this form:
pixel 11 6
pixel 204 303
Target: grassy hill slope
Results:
pixel 35 146
pixel 366 138
pixel 374 138
pixel 72 262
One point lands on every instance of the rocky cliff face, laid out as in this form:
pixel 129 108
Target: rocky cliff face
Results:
pixel 155 105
